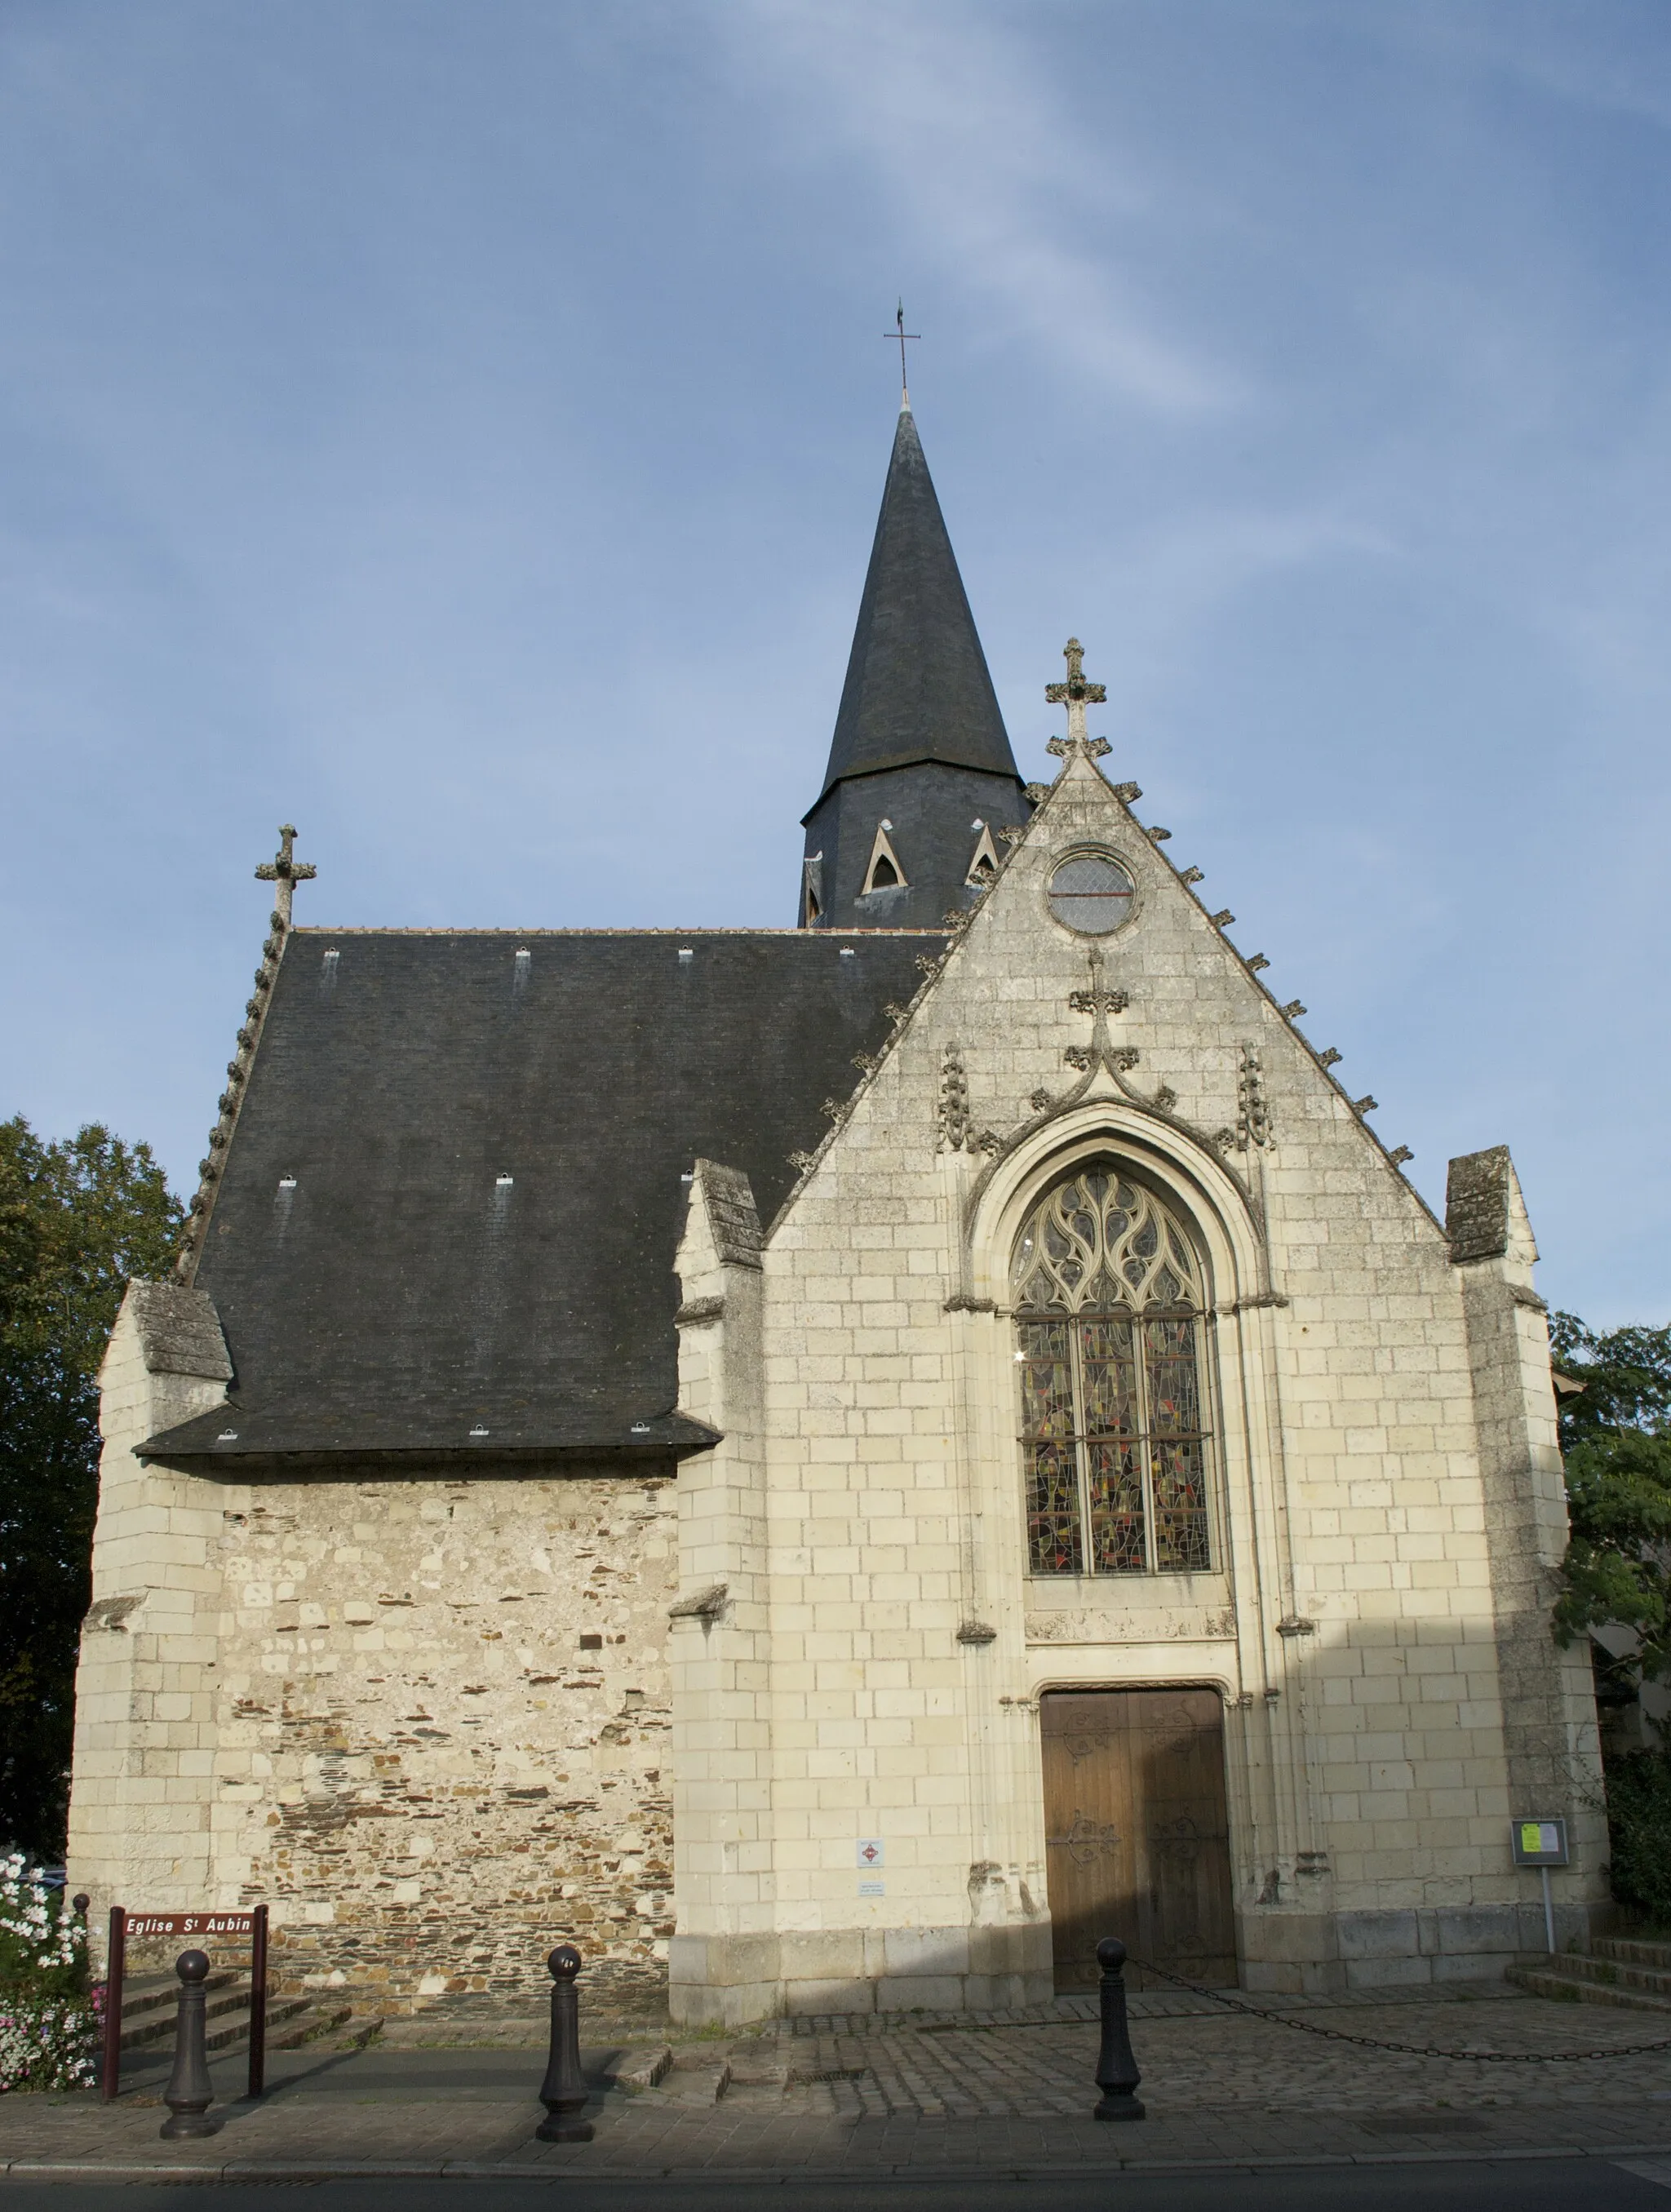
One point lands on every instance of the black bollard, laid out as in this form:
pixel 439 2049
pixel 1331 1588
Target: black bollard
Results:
pixel 1117 2077
pixel 189 2090
pixel 563 2092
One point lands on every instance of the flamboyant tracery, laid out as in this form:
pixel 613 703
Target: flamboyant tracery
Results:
pixel 1108 1294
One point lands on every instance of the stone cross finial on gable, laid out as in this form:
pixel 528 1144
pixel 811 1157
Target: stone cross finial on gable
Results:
pixel 1076 695
pixel 285 870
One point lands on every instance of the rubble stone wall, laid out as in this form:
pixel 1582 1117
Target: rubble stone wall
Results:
pixel 443 1741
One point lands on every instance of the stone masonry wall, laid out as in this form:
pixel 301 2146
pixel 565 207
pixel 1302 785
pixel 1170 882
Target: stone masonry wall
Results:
pixel 443 1732
pixel 1368 1773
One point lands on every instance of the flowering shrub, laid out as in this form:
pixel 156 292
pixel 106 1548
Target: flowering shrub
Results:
pixel 49 2018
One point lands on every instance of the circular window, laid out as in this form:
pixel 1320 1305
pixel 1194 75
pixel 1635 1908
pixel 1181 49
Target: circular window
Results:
pixel 1091 893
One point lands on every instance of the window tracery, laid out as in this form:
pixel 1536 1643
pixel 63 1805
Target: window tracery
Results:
pixel 1107 1296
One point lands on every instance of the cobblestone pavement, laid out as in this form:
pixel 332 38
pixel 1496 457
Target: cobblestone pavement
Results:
pixel 938 2095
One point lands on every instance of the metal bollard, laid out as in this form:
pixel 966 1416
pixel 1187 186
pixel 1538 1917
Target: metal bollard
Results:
pixel 563 2092
pixel 189 2090
pixel 1117 2077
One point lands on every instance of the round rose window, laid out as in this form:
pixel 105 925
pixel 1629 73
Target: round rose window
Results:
pixel 1091 893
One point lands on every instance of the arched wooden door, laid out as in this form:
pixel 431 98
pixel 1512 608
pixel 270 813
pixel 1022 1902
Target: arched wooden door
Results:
pixel 1136 1834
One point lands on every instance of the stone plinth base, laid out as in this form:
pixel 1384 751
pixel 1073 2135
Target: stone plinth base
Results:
pixel 1290 1954
pixel 732 1979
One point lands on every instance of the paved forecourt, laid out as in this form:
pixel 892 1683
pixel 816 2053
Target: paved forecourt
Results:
pixel 941 2096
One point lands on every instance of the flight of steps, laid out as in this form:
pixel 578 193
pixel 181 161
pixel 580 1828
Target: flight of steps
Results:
pixel 1613 1971
pixel 149 2006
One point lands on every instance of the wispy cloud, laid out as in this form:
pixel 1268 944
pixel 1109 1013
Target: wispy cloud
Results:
pixel 992 173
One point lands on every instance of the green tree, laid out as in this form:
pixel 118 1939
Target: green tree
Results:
pixel 77 1219
pixel 1616 1439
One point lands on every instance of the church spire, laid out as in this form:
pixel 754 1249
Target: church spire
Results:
pixel 917 687
pixel 920 744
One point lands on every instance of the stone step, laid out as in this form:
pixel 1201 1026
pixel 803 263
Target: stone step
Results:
pixel 147 1993
pixel 333 2025
pixel 698 2076
pixel 1545 1982
pixel 638 2071
pixel 758 2067
pixel 1634 1951
pixel 155 2023
pixel 229 2023
pixel 1607 1972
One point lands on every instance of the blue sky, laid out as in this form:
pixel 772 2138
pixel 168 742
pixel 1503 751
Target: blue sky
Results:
pixel 458 429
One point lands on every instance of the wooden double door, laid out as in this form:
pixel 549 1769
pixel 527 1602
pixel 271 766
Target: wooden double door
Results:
pixel 1137 1840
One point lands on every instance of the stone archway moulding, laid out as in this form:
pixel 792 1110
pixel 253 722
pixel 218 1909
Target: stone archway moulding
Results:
pixel 1208 1192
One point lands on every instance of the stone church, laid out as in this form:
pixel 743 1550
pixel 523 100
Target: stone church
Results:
pixel 834 1465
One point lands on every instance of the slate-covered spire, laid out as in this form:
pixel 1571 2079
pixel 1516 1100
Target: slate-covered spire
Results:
pixel 920 768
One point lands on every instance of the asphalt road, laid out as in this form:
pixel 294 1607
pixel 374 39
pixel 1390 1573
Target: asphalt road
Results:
pixel 1512 2185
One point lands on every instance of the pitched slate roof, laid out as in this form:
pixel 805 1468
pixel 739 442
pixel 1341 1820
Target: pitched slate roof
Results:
pixel 917 687
pixel 453 1196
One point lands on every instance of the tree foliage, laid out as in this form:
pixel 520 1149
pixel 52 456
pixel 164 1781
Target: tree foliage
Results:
pixel 77 1219
pixel 1616 1438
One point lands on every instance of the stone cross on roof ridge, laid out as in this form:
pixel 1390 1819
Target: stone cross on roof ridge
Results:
pixel 287 872
pixel 1075 694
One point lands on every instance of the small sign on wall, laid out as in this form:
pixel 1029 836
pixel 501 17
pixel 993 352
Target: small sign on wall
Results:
pixel 872 1853
pixel 1538 1843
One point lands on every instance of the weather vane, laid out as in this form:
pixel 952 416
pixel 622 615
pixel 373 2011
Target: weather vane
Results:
pixel 902 334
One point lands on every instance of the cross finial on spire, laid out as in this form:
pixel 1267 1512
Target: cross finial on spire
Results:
pixel 902 334
pixel 285 870
pixel 1075 694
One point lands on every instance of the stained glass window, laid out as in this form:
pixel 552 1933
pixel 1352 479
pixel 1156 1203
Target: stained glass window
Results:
pixel 1108 1298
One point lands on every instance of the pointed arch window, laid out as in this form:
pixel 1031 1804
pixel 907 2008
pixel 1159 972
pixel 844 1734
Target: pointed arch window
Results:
pixel 984 865
pixel 1108 1298
pixel 884 872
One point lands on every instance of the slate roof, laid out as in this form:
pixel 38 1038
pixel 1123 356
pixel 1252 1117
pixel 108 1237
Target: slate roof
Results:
pixel 384 1291
pixel 917 686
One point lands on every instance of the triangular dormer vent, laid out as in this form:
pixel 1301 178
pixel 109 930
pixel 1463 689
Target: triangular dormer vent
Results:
pixel 884 873
pixel 984 865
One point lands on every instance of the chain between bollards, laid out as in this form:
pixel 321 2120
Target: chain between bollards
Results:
pixel 1117 2077
pixel 563 2091
pixel 190 2091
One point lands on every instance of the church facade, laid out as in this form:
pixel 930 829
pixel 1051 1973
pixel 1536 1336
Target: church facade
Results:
pixel 835 1465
